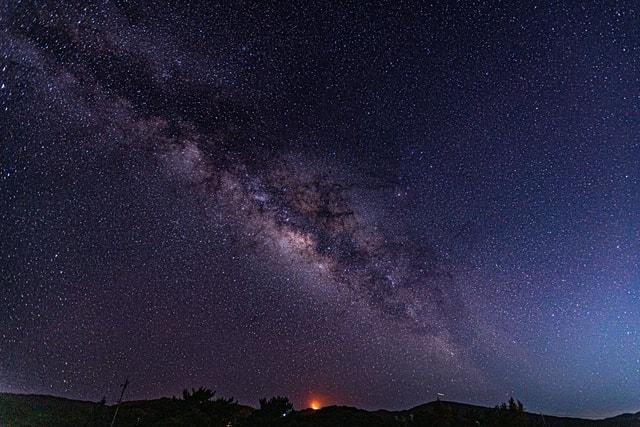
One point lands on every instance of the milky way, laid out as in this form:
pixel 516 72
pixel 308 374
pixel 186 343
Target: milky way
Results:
pixel 311 220
pixel 367 205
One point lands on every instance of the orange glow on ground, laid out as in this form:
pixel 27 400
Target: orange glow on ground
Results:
pixel 315 405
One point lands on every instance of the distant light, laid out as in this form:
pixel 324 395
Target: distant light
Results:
pixel 315 405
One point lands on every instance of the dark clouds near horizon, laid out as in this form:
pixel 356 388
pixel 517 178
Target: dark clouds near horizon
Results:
pixel 368 204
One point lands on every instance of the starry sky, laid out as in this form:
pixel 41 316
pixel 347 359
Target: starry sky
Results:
pixel 366 204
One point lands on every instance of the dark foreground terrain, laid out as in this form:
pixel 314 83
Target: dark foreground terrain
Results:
pixel 197 410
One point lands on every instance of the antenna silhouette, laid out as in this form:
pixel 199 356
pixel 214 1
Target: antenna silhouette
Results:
pixel 124 387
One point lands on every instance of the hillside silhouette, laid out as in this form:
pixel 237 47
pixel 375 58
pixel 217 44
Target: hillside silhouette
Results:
pixel 201 407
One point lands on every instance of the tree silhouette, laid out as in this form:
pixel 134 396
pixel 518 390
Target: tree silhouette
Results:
pixel 509 414
pixel 198 408
pixel 272 412
pixel 276 406
pixel 199 396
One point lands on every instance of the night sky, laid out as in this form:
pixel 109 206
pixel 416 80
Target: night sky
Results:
pixel 366 205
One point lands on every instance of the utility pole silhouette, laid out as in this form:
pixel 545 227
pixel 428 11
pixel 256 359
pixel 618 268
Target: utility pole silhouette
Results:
pixel 124 387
